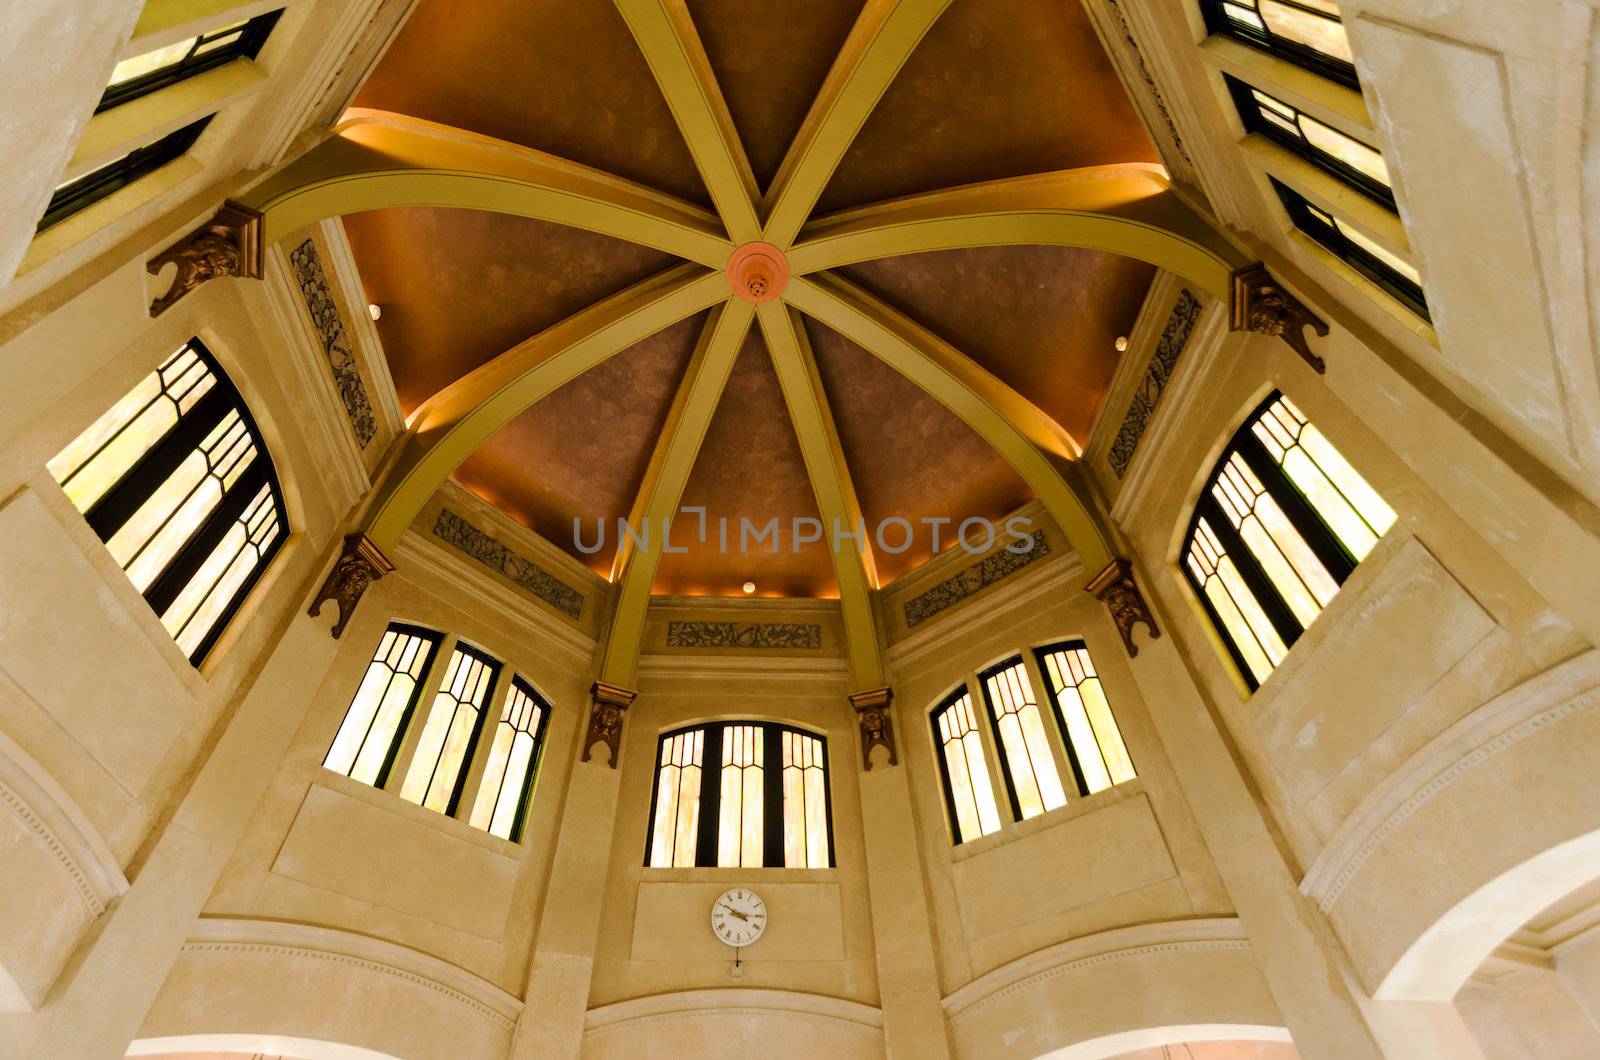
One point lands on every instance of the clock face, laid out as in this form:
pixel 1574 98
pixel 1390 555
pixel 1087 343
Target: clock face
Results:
pixel 738 917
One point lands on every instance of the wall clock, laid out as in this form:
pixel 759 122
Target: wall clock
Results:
pixel 738 917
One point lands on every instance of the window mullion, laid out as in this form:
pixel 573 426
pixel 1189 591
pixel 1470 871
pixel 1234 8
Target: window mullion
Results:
pixel 705 852
pixel 1328 548
pixel 1255 579
pixel 773 810
pixel 119 503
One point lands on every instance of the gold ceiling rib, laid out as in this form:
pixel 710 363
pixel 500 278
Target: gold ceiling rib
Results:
pixel 812 418
pixel 884 36
pixel 983 402
pixel 446 429
pixel 671 47
pixel 634 569
pixel 1127 209
pixel 376 160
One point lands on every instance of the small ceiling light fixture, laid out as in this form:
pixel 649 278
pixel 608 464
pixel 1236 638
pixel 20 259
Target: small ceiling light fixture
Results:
pixel 374 310
pixel 749 587
pixel 1121 344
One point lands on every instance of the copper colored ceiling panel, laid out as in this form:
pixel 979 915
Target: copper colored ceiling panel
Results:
pixel 909 456
pixel 997 88
pixel 1043 319
pixel 563 76
pixel 750 466
pixel 770 65
pixel 582 451
pixel 459 287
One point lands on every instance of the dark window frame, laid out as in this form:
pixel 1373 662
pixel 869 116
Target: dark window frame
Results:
pixel 1339 561
pixel 140 162
pixel 1394 284
pixel 525 798
pixel 252 36
pixel 1319 63
pixel 122 500
pixel 1254 121
pixel 710 806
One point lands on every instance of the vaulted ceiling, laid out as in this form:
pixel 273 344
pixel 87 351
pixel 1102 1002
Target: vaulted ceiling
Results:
pixel 992 90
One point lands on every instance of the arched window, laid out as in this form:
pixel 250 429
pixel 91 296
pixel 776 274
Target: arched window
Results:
pixel 1087 746
pixel 1282 522
pixel 764 804
pixel 179 485
pixel 447 760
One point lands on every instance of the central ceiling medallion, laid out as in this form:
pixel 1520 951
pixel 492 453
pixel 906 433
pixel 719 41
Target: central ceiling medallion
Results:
pixel 757 272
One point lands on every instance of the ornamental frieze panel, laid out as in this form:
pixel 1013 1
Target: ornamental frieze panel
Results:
pixel 314 289
pixel 973 580
pixel 1157 374
pixel 782 636
pixel 468 539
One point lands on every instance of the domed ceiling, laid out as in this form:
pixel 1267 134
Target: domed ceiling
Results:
pixel 993 90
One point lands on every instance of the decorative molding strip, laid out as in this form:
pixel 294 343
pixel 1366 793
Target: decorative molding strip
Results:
pixel 454 530
pixel 797 636
pixel 1163 362
pixel 314 288
pixel 735 1001
pixel 972 580
pixel 1149 80
pixel 1211 934
pixel 46 838
pixel 1419 798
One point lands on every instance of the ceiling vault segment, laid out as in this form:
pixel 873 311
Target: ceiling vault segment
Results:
pixel 446 429
pixel 884 36
pixel 987 406
pixel 812 418
pixel 1127 209
pixel 666 35
pixel 671 461
pixel 376 160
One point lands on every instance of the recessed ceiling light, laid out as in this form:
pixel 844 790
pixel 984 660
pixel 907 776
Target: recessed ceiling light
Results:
pixel 1121 344
pixel 374 310
pixel 749 587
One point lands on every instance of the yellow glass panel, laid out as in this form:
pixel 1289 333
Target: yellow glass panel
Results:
pixel 1239 629
pixel 967 772
pixel 1313 576
pixel 1244 14
pixel 1249 610
pixel 1382 253
pixel 84 447
pixel 148 62
pixel 1320 34
pixel 369 696
pixel 1369 505
pixel 1350 151
pixel 1023 741
pixel 816 816
pixel 1109 737
pixel 1079 731
pixel 494 775
pixel 155 532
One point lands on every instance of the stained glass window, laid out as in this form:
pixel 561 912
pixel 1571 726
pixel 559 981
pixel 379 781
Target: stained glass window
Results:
pixel 1278 528
pixel 1343 157
pixel 507 786
pixel 1032 781
pixel 450 733
pixel 1391 272
pixel 85 191
pixel 142 74
pixel 374 725
pixel 766 804
pixel 1095 749
pixel 969 796
pixel 1307 33
pixel 177 482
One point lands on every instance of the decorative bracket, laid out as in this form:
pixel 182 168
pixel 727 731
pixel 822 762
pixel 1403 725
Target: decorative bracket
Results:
pixel 1258 303
pixel 876 724
pixel 227 245
pixel 360 564
pixel 608 705
pixel 1116 588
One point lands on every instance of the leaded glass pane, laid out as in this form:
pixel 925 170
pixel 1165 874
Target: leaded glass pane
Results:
pixel 740 837
pixel 450 730
pixel 509 767
pixel 966 772
pixel 1085 714
pixel 805 802
pixel 372 726
pixel 676 827
pixel 1024 747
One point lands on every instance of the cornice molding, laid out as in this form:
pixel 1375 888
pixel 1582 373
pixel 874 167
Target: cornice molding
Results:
pixel 474 994
pixel 1514 715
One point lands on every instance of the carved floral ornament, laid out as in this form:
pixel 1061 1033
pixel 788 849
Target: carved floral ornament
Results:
pixel 876 724
pixel 227 245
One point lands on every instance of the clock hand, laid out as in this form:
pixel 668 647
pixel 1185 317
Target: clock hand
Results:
pixel 734 911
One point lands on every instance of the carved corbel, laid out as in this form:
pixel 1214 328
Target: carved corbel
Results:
pixel 1260 304
pixel 1116 588
pixel 608 705
pixel 227 245
pixel 360 564
pixel 875 722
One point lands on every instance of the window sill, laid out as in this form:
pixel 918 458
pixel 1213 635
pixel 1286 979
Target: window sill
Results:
pixel 719 875
pixel 426 818
pixel 1340 106
pixel 1075 808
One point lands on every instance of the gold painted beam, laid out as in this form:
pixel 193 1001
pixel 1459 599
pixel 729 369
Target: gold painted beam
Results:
pixel 884 36
pixel 830 481
pixel 990 408
pixel 376 159
pixel 1127 209
pixel 446 429
pixel 671 46
pixel 671 462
